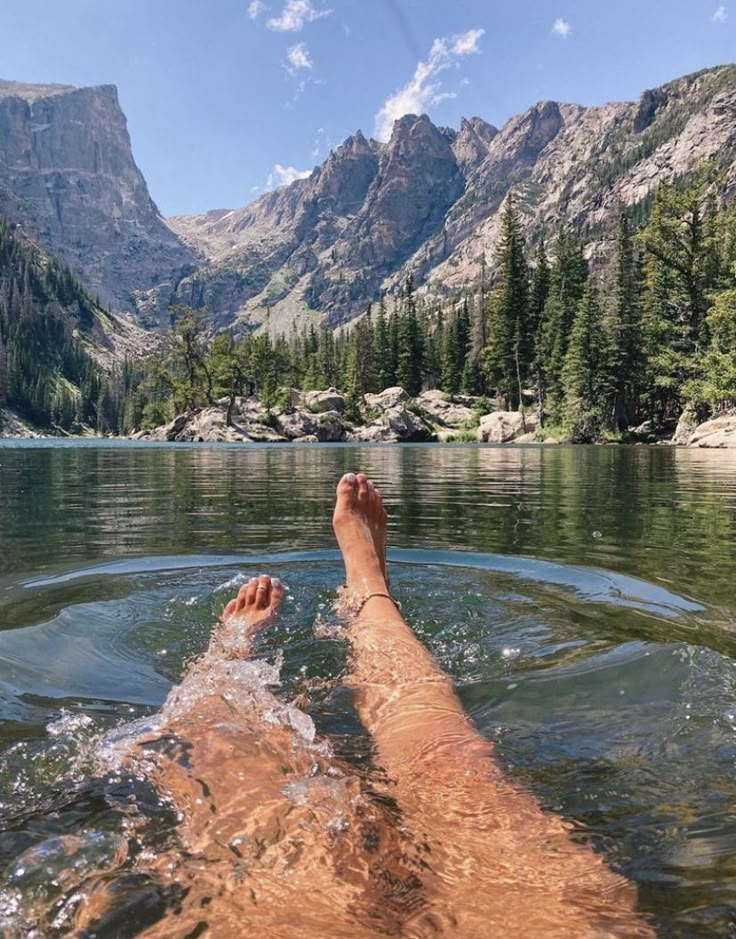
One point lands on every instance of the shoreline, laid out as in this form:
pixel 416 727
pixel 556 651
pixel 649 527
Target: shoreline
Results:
pixel 390 417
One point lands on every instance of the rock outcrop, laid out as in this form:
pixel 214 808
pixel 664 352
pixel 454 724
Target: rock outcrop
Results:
pixel 207 425
pixel 12 427
pixel 445 410
pixel 388 398
pixel 507 426
pixel 395 425
pixel 715 434
pixel 68 176
pixel 389 417
pixel 320 401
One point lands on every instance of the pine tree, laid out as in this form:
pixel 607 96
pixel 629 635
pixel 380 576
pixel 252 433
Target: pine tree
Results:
pixel 507 357
pixel 625 329
pixel 410 350
pixel 586 373
pixel 568 278
pixel 382 351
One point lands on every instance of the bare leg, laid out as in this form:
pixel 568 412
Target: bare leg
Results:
pixel 504 863
pixel 257 807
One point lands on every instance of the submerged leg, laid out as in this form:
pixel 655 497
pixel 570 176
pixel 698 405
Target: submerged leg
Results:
pixel 504 863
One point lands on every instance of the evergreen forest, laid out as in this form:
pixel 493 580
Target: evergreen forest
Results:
pixel 597 347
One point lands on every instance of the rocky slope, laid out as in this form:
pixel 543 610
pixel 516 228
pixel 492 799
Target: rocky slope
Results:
pixel 67 174
pixel 427 201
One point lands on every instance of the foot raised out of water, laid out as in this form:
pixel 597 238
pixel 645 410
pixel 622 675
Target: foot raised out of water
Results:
pixel 359 521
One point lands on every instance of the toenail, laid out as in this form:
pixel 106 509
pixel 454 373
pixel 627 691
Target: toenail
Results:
pixel 350 479
pixel 276 582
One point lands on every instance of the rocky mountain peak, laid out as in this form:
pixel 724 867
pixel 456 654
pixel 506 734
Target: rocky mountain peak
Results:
pixel 525 136
pixel 470 145
pixel 341 183
pixel 481 128
pixel 427 201
pixel 418 180
pixel 67 172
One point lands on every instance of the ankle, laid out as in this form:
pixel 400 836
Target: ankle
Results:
pixel 363 584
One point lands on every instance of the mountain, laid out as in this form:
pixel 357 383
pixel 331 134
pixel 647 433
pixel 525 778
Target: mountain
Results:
pixel 427 202
pixel 67 174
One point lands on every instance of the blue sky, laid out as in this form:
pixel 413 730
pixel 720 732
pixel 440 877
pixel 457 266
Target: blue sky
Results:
pixel 226 98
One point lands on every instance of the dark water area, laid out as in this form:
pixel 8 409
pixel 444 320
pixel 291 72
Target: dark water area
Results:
pixel 582 599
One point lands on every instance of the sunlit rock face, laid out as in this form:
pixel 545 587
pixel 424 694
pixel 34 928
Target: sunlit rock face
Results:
pixel 427 202
pixel 67 174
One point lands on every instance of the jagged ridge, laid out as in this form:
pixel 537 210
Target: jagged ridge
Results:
pixel 427 201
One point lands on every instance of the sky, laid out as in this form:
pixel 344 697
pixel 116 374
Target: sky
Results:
pixel 226 99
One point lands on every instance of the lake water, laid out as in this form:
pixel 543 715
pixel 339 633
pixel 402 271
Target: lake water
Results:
pixel 583 600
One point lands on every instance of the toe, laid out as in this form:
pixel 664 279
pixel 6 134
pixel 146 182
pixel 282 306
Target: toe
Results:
pixel 363 493
pixel 247 595
pixel 242 598
pixel 230 608
pixel 277 592
pixel 263 592
pixel 346 490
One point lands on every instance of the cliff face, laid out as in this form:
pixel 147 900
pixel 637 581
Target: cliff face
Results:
pixel 427 202
pixel 68 175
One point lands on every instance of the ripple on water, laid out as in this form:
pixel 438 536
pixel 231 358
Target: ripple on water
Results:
pixel 608 695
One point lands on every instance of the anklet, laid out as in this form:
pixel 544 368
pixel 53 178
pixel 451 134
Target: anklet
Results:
pixel 356 602
pixel 364 600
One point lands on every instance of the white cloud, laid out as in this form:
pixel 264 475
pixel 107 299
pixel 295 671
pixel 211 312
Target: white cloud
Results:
pixel 298 59
pixel 255 9
pixel 424 89
pixel 319 141
pixel 284 176
pixel 467 43
pixel 720 16
pixel 295 15
pixel 561 28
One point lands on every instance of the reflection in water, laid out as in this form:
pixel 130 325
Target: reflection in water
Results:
pixel 605 677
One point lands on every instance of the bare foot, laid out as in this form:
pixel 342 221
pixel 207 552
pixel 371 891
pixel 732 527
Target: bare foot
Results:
pixel 359 521
pixel 255 605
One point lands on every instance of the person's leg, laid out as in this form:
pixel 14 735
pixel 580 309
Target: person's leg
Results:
pixel 257 808
pixel 505 863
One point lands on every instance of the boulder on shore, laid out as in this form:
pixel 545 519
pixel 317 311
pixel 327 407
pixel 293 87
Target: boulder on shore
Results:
pixel 685 429
pixel 717 433
pixel 395 425
pixel 294 424
pixel 388 398
pixel 506 426
pixel 319 402
pixel 446 410
pixel 329 427
pixel 207 425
